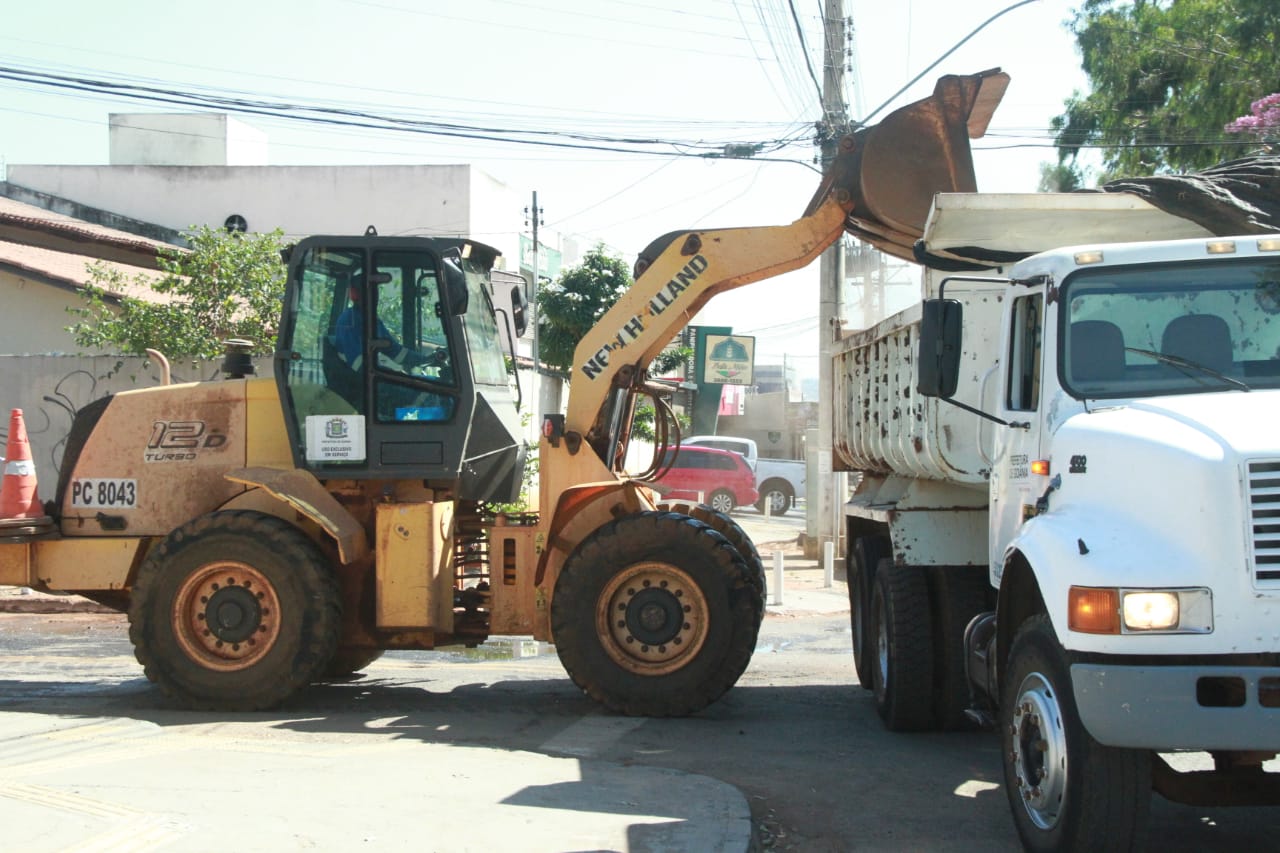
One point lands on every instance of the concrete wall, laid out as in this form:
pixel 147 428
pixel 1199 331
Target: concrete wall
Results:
pixel 425 200
pixel 50 389
pixel 184 139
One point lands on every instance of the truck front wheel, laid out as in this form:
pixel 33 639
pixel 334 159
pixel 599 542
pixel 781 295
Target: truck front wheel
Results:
pixel 655 614
pixel 234 611
pixel 1067 792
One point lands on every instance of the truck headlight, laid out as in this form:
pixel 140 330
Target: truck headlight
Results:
pixel 1106 610
pixel 1150 611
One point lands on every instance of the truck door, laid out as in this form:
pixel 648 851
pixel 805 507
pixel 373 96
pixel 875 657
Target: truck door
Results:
pixel 1013 486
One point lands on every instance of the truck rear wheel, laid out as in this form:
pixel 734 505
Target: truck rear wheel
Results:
pixel 860 563
pixel 903 671
pixel 1067 792
pixel 234 611
pixel 738 538
pixel 655 614
pixel 959 593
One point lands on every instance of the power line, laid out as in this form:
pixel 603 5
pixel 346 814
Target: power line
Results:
pixel 344 117
pixel 804 49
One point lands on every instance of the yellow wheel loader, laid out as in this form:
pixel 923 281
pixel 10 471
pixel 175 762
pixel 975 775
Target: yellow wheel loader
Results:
pixel 264 533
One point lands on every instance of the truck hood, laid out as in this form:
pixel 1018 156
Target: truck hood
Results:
pixel 1167 471
pixel 1240 423
pixel 1173 435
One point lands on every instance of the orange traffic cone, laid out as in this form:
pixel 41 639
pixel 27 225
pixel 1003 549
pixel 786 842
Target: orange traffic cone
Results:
pixel 18 497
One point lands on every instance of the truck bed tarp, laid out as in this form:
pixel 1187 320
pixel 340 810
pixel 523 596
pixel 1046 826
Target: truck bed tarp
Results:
pixel 1237 197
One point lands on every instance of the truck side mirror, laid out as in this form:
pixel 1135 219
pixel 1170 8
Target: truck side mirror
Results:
pixel 939 356
pixel 519 312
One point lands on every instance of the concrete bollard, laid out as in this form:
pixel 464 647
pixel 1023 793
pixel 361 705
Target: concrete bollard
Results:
pixel 828 564
pixel 768 509
pixel 777 578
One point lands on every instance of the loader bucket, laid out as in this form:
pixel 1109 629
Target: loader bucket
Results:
pixel 892 170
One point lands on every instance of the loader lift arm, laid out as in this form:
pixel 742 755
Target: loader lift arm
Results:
pixel 880 187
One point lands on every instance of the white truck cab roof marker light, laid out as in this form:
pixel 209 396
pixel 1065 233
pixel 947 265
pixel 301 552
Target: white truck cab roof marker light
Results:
pixel 1220 247
pixel 1094 256
pixel 1269 244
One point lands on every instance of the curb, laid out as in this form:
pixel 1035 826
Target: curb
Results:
pixel 15 600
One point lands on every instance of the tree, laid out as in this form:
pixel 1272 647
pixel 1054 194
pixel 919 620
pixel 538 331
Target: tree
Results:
pixel 228 285
pixel 1166 76
pixel 1263 123
pixel 1059 178
pixel 570 307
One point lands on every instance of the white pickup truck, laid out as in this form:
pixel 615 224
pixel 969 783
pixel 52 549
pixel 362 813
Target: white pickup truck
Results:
pixel 779 481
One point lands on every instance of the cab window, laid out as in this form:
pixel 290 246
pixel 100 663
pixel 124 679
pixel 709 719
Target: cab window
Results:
pixel 1023 381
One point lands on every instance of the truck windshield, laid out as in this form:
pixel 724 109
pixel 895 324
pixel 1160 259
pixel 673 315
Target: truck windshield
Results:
pixel 1174 329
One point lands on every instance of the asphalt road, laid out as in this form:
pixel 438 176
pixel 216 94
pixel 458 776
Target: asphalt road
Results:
pixel 797 741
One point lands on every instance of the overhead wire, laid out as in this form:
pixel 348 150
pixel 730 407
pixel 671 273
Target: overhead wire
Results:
pixel 345 117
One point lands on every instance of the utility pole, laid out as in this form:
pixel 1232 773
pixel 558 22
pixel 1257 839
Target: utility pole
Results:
pixel 533 217
pixel 821 514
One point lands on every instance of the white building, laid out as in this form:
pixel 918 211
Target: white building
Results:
pixel 185 170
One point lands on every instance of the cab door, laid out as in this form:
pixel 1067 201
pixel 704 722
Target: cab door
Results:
pixel 1014 488
pixel 371 364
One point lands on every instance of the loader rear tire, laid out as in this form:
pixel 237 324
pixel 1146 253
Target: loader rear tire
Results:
pixel 234 611
pixel 655 614
pixel 738 538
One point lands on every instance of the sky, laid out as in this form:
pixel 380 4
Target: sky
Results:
pixel 700 73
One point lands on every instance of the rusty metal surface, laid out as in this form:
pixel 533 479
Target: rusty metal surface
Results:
pixel 170 446
pixel 894 168
pixel 882 426
pixel 302 491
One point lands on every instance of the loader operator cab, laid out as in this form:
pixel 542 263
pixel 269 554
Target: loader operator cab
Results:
pixel 390 366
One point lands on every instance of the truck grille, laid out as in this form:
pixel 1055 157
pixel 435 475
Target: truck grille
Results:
pixel 1264 506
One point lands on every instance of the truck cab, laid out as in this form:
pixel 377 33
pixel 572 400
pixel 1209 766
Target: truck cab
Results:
pixel 1067 524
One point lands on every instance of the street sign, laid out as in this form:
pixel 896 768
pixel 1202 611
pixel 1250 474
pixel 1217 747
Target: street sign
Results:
pixel 729 359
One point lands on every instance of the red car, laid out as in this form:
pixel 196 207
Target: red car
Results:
pixel 719 478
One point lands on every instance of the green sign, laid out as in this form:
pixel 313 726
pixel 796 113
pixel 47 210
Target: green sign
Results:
pixel 549 260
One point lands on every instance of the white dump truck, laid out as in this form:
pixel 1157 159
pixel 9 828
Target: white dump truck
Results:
pixel 1068 521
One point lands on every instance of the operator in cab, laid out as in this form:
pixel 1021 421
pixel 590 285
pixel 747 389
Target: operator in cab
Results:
pixel 349 339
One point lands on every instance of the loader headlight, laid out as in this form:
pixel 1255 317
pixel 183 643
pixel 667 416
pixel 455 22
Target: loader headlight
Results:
pixel 1105 610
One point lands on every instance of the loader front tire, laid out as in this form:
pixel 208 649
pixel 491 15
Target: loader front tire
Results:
pixel 234 611
pixel 738 538
pixel 348 661
pixel 655 614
